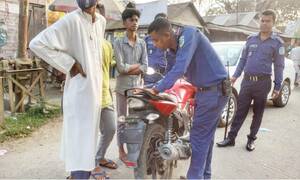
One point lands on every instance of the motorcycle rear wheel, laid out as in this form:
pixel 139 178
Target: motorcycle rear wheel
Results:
pixel 150 163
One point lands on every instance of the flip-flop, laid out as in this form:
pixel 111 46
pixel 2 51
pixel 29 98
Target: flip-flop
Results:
pixel 108 164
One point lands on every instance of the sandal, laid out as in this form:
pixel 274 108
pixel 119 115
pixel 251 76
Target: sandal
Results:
pixel 99 174
pixel 108 164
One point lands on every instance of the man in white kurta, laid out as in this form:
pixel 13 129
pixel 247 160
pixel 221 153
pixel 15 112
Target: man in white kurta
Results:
pixel 74 41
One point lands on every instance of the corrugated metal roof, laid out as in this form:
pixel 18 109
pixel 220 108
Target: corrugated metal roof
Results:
pixel 245 19
pixel 241 29
pixel 112 9
pixel 178 14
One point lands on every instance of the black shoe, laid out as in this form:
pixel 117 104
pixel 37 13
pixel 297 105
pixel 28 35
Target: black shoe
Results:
pixel 250 145
pixel 226 142
pixel 182 177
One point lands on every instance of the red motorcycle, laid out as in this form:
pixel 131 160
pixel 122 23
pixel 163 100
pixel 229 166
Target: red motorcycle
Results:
pixel 161 125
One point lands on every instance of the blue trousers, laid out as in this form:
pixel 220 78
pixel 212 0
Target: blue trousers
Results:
pixel 208 109
pixel 80 174
pixel 258 92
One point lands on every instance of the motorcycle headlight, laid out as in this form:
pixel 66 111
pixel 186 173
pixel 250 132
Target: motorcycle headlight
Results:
pixel 134 103
pixel 152 116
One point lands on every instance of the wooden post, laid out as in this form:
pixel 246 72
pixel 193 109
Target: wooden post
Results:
pixel 1 101
pixel 11 95
pixel 41 85
pixel 37 79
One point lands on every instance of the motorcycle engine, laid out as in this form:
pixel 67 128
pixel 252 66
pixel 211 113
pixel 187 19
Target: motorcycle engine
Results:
pixel 175 151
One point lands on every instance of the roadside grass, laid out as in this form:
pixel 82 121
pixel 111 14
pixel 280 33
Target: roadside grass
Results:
pixel 24 124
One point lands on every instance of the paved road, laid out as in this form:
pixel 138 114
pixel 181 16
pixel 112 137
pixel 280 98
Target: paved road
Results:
pixel 277 154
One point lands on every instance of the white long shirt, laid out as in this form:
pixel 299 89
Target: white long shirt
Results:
pixel 76 38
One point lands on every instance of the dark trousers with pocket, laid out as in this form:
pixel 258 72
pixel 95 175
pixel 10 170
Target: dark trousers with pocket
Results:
pixel 258 92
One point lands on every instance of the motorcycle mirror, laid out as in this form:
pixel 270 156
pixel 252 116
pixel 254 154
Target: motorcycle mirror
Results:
pixel 150 71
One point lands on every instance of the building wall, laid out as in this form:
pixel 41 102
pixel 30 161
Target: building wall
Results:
pixel 187 17
pixel 9 16
pixel 41 2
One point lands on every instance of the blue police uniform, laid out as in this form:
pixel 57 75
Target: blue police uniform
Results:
pixel 256 62
pixel 199 63
pixel 171 58
pixel 159 60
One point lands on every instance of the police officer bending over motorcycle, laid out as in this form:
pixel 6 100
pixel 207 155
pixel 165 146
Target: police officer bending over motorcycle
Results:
pixel 199 63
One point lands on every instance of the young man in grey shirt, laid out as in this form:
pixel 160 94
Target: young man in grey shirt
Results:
pixel 131 59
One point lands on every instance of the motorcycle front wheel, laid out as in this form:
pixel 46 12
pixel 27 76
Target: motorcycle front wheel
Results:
pixel 150 164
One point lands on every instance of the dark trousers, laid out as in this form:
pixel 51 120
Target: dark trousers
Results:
pixel 258 92
pixel 80 174
pixel 208 109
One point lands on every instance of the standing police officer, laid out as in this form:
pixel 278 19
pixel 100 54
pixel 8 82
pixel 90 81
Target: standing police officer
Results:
pixel 260 51
pixel 199 63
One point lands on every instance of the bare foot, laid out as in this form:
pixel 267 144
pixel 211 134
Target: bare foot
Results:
pixel 124 159
pixel 123 156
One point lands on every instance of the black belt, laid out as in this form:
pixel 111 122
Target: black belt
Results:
pixel 211 88
pixel 256 78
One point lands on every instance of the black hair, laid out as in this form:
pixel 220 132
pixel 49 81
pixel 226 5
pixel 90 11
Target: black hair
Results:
pixel 101 9
pixel 130 11
pixel 269 12
pixel 161 15
pixel 131 5
pixel 159 25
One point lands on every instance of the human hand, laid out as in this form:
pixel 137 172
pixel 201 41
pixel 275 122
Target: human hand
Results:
pixel 77 69
pixel 275 94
